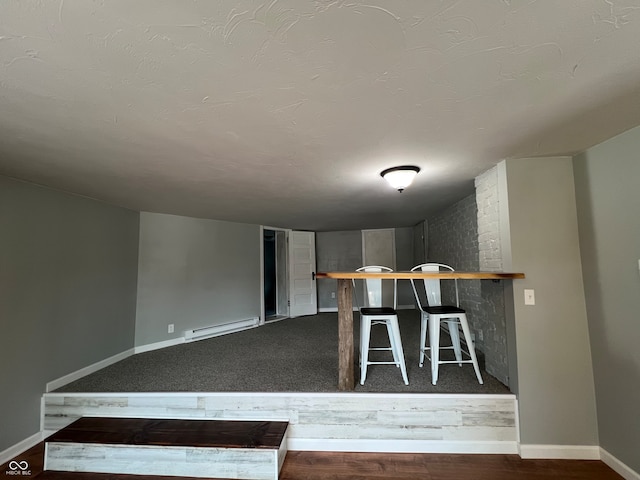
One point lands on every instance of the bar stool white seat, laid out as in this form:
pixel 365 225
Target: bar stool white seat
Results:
pixel 375 313
pixel 432 314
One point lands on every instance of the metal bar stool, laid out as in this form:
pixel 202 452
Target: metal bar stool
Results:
pixel 432 314
pixel 375 313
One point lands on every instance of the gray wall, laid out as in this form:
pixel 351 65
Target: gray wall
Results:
pixel 608 195
pixel 420 241
pixel 404 261
pixel 68 269
pixel 195 273
pixel 336 251
pixel 342 251
pixel 556 397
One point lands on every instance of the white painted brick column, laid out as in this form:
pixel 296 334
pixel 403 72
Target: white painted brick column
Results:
pixel 487 199
pixel 490 259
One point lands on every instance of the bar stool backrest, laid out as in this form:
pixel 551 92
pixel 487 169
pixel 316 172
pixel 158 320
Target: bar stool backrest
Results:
pixel 432 285
pixel 375 294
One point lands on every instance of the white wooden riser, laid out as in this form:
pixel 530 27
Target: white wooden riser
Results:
pixel 323 421
pixel 235 463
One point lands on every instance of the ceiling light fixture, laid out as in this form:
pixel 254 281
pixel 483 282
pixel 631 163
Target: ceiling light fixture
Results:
pixel 400 177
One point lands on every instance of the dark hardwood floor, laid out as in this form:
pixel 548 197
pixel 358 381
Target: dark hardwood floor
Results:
pixel 388 466
pixel 423 466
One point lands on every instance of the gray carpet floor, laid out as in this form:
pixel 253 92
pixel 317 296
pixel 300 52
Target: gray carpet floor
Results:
pixel 292 355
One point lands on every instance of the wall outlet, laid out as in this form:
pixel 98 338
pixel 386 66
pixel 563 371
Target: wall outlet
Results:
pixel 170 328
pixel 480 335
pixel 333 294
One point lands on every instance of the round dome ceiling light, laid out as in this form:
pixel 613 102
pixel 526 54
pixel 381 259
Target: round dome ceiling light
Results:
pixel 400 177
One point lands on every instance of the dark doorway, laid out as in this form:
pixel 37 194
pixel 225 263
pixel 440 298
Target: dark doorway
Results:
pixel 270 279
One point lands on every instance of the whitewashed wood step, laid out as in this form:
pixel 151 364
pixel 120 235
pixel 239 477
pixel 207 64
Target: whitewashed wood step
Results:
pixel 247 450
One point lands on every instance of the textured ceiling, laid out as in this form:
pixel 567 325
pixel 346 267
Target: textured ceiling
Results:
pixel 284 113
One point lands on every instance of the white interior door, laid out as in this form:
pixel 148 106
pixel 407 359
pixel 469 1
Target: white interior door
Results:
pixel 302 274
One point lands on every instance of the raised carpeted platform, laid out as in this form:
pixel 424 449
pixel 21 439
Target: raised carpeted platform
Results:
pixel 292 355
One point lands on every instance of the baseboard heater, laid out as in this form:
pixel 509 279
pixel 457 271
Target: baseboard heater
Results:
pixel 222 329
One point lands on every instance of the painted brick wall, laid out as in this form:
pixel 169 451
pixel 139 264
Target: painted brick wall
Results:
pixel 454 239
pixel 453 235
pixel 494 329
pixel 488 221
pixel 493 326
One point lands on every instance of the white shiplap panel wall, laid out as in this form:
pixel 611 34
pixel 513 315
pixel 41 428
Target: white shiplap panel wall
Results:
pixel 324 421
pixel 247 464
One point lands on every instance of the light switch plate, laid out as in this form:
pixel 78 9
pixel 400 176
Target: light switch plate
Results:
pixel 529 296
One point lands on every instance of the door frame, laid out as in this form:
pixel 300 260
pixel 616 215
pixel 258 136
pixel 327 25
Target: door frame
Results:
pixel 263 318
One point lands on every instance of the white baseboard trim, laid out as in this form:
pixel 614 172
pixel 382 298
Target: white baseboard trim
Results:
pixel 399 446
pixel 617 466
pixel 561 452
pixel 20 447
pixel 158 345
pixel 83 372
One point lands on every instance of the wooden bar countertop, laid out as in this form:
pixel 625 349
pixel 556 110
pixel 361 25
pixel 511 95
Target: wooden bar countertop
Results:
pixel 345 308
pixel 418 275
